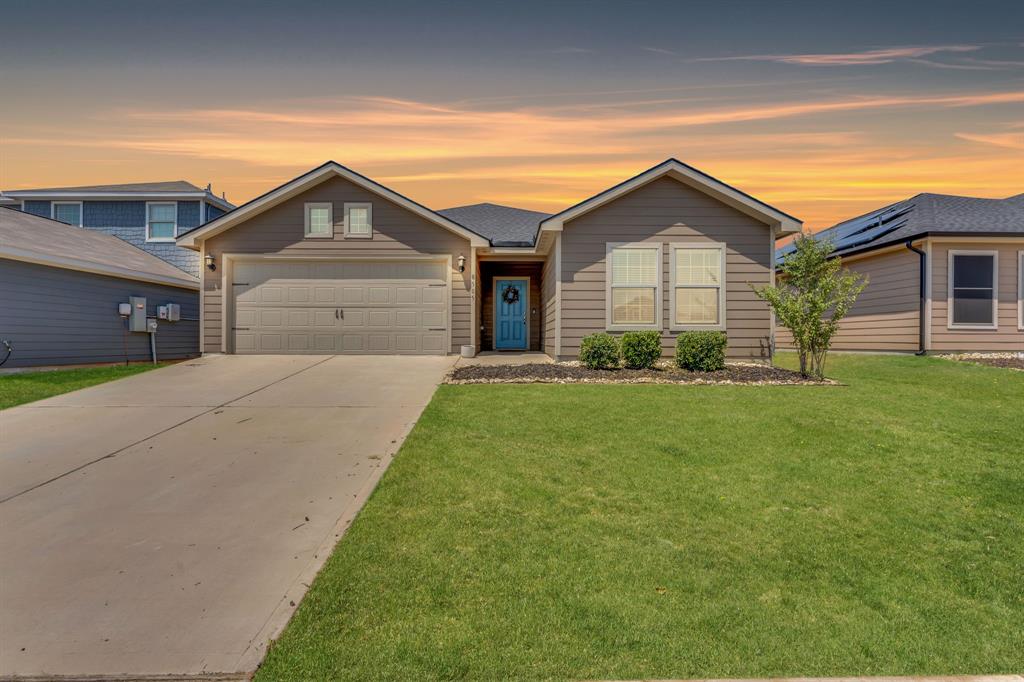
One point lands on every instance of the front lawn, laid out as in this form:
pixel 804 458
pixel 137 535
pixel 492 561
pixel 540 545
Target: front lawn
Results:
pixel 25 387
pixel 653 531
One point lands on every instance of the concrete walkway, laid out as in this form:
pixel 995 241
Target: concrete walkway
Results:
pixel 168 523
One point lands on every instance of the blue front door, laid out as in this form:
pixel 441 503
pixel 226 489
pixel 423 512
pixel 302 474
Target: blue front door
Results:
pixel 510 314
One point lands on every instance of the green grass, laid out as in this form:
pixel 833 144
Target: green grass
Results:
pixel 25 387
pixel 596 532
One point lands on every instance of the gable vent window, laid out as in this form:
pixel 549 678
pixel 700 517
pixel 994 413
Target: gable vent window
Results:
pixel 972 289
pixel 320 220
pixel 69 212
pixel 634 286
pixel 698 287
pixel 161 221
pixel 359 220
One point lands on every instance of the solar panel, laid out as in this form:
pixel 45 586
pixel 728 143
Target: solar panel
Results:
pixel 860 230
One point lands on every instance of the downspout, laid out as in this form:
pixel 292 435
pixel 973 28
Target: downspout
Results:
pixel 923 287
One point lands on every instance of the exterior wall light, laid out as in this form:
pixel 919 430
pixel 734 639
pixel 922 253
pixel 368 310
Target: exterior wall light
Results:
pixel 462 263
pixel 211 262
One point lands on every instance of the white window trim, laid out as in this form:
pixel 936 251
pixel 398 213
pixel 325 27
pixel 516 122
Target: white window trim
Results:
pixel 150 239
pixel 305 219
pixel 53 210
pixel 369 217
pixel 673 285
pixel 659 296
pixel 949 288
pixel 1020 290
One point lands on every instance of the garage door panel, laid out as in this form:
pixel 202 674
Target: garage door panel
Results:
pixel 341 307
pixel 353 295
pixel 353 318
pixel 433 319
pixel 434 295
pixel 379 318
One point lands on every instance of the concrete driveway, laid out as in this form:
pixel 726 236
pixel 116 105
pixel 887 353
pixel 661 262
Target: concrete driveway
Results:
pixel 168 523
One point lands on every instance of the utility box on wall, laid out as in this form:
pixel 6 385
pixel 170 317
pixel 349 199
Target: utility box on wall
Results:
pixel 137 320
pixel 170 312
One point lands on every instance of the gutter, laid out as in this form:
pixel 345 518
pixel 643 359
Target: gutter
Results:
pixel 923 290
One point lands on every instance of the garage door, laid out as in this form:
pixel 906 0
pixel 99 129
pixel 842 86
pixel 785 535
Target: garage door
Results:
pixel 340 307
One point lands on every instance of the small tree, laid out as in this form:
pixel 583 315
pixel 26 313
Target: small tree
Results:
pixel 814 293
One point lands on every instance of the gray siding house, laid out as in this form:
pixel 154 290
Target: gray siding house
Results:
pixel 149 215
pixel 334 262
pixel 945 274
pixel 61 287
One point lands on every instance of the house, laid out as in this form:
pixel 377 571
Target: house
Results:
pixel 333 262
pixel 149 214
pixel 62 287
pixel 946 274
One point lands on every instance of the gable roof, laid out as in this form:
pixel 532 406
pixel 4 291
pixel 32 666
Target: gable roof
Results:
pixel 920 215
pixel 309 179
pixel 783 223
pixel 502 225
pixel 30 238
pixel 131 190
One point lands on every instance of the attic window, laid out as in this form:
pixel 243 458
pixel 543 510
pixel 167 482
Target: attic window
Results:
pixel 319 220
pixel 359 220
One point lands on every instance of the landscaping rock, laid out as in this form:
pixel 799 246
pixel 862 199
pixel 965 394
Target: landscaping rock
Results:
pixel 575 373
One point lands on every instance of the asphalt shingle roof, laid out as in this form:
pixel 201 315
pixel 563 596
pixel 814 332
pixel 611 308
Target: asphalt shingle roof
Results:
pixel 127 188
pixel 924 213
pixel 503 225
pixel 54 242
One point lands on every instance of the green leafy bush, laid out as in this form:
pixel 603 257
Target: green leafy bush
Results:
pixel 640 350
pixel 701 351
pixel 599 351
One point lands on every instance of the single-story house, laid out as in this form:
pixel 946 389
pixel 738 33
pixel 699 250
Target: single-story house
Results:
pixel 62 287
pixel 149 215
pixel 334 262
pixel 945 274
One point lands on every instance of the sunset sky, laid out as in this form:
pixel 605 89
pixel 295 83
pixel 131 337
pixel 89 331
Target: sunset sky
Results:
pixel 822 109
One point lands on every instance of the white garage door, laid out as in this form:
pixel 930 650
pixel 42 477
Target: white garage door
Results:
pixel 340 307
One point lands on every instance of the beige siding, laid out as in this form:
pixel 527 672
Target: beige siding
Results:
pixel 397 232
pixel 666 211
pixel 885 315
pixel 549 301
pixel 1008 337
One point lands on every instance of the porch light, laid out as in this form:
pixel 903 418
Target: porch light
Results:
pixel 462 263
pixel 211 263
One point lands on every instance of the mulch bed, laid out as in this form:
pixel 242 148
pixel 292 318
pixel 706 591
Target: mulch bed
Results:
pixel 1004 361
pixel 564 373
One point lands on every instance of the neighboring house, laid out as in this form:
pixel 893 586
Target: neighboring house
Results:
pixel 149 214
pixel 61 289
pixel 333 262
pixel 946 273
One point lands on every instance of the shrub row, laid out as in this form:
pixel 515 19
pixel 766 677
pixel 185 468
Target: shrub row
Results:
pixel 697 351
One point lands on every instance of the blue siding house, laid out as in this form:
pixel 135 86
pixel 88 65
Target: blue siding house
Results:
pixel 149 214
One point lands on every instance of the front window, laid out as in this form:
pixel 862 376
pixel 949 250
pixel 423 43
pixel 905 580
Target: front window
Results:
pixel 634 275
pixel 161 222
pixel 973 289
pixel 69 212
pixel 359 220
pixel 698 275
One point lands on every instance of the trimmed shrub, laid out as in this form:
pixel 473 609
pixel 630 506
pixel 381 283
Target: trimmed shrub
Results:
pixel 640 350
pixel 599 351
pixel 701 351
